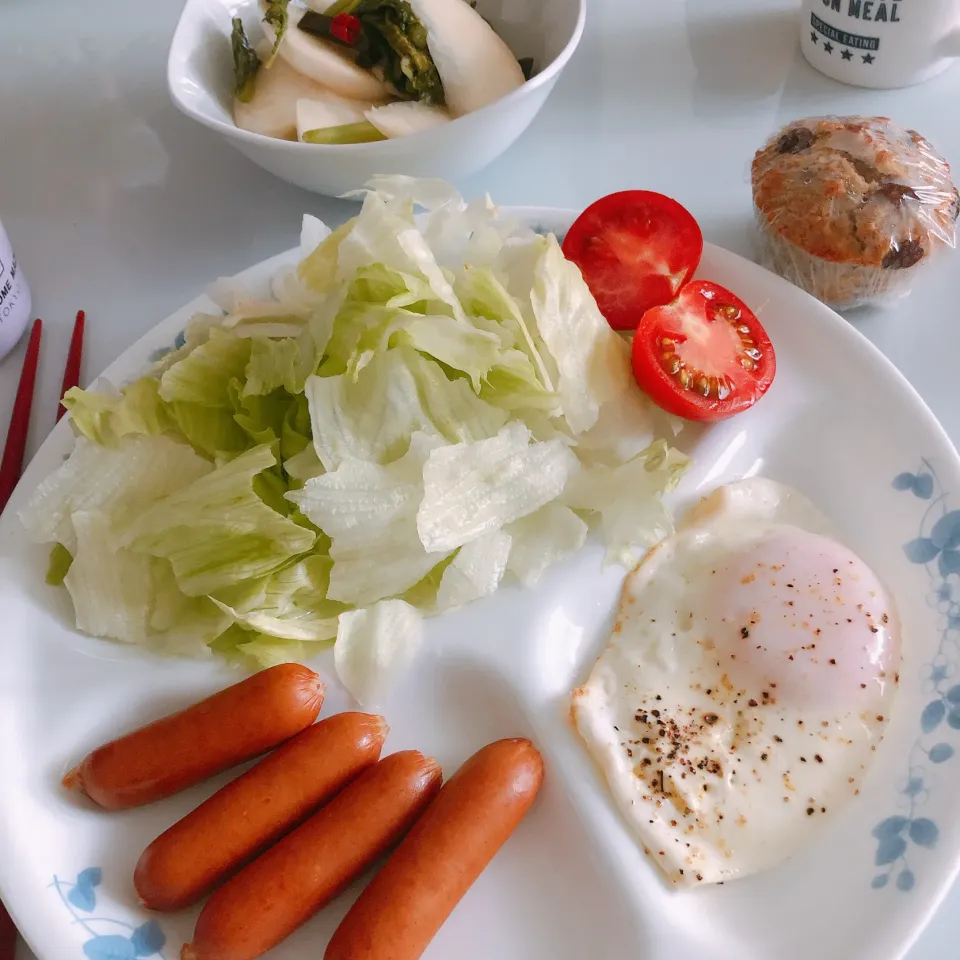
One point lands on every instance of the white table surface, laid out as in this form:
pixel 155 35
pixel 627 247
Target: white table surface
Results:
pixel 118 204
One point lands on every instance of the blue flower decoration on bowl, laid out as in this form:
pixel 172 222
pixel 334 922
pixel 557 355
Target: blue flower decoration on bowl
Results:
pixel 108 939
pixel 937 548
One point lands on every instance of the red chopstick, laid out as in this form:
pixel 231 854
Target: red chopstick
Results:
pixel 8 935
pixel 10 469
pixel 12 464
pixel 71 373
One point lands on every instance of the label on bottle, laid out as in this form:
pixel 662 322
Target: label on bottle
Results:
pixel 14 297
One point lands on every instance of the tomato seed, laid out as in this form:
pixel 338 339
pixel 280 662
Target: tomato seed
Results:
pixel 727 311
pixel 707 386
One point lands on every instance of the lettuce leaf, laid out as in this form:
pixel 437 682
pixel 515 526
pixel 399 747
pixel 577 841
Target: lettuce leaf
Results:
pixel 476 570
pixel 627 499
pixel 120 482
pixel 112 589
pixel 400 392
pixel 457 343
pixel 593 362
pixel 475 488
pixel 276 364
pixel 212 431
pixel 217 531
pixel 485 296
pixel 292 603
pixel 542 538
pixel 202 377
pixel 58 566
pixel 269 652
pixel 182 625
pixel 370 418
pixel 105 418
pixel 374 647
pixel 450 407
pixel 370 513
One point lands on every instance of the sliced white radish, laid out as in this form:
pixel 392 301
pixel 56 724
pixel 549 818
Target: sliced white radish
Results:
pixel 273 109
pixel 405 117
pixel 323 61
pixel 328 111
pixel 475 65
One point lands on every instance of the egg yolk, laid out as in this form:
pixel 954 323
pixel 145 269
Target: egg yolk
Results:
pixel 799 617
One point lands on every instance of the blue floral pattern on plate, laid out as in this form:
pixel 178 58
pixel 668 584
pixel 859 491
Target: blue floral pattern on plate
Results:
pixel 159 354
pixel 543 230
pixel 937 548
pixel 108 939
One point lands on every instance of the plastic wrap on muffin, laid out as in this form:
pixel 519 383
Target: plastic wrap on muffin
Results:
pixel 851 209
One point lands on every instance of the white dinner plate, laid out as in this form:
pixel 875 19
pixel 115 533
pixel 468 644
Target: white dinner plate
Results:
pixel 839 423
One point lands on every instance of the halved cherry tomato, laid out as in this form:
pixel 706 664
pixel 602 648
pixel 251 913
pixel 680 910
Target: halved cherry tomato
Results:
pixel 705 356
pixel 635 249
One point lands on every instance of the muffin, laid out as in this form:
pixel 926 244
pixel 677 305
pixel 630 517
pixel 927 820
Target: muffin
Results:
pixel 851 208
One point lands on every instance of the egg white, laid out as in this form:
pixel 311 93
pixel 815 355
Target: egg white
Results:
pixel 745 687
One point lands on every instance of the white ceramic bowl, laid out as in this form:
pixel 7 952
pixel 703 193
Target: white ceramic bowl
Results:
pixel 200 77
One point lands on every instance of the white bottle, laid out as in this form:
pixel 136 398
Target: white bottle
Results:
pixel 14 297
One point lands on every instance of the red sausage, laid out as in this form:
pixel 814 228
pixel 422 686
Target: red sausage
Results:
pixel 180 750
pixel 407 902
pixel 249 813
pixel 266 901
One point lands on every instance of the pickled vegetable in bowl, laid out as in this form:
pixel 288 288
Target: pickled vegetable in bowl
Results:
pixel 362 71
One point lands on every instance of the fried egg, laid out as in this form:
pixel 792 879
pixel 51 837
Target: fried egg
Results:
pixel 745 687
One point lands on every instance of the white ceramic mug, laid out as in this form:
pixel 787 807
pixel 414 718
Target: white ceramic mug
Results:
pixel 880 43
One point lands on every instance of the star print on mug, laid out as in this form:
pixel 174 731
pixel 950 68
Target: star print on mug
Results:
pixel 881 43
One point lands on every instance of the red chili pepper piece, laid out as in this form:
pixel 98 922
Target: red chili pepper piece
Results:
pixel 345 27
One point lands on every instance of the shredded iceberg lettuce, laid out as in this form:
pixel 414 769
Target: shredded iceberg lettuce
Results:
pixel 374 645
pixel 423 407
pixel 471 489
pixel 476 570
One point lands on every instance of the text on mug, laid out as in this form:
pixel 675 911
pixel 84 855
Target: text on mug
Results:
pixel 867 9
